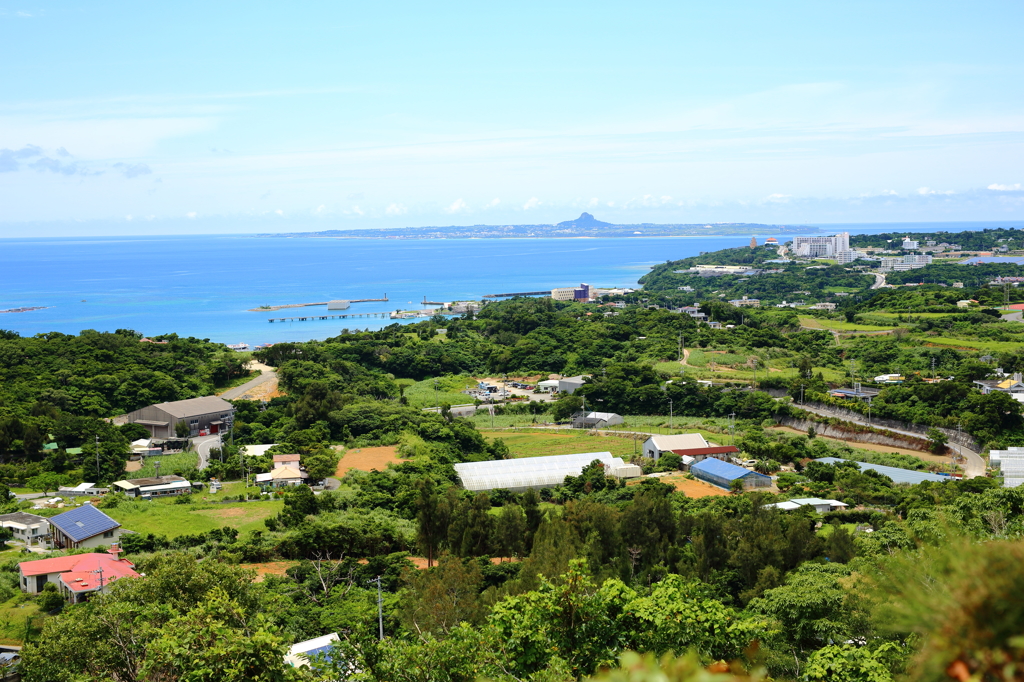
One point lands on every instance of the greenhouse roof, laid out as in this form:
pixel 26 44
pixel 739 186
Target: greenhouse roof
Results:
pixel 529 472
pixel 897 475
pixel 716 467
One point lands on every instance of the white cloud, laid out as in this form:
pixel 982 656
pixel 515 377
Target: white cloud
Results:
pixel 23 15
pixel 191 214
pixel 320 209
pixel 357 210
pixel 128 217
pixel 457 206
pixel 779 198
pixel 593 202
pixel 532 202
pixel 926 191
pixel 396 209
pixel 493 202
pixel 1005 188
pixel 279 212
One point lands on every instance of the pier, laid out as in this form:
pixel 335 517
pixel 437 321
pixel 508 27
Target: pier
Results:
pixel 521 293
pixel 327 317
pixel 271 308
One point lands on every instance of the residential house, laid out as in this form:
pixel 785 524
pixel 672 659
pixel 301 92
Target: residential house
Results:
pixel 823 306
pixel 28 528
pixel 287 461
pixel 282 476
pixel 77 576
pixel 656 445
pixel 83 527
pixel 157 486
pixel 746 302
pixel 1013 385
pixel 82 490
pixel 204 416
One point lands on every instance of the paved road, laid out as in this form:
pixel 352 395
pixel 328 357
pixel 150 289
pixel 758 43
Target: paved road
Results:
pixel 973 467
pixel 879 281
pixel 238 391
pixel 1014 316
pixel 202 446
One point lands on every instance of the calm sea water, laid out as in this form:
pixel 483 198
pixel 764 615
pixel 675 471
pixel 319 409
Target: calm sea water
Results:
pixel 202 286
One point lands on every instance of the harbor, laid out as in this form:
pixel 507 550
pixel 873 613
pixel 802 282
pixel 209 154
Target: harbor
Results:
pixel 271 308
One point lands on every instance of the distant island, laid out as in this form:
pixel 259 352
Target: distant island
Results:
pixel 584 226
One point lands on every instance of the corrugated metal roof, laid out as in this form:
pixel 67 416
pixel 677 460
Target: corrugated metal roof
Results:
pixel 193 407
pixel 716 467
pixel 84 522
pixel 897 475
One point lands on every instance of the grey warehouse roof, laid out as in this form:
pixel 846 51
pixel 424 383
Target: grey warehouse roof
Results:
pixel 897 475
pixel 83 522
pixel 529 472
pixel 195 406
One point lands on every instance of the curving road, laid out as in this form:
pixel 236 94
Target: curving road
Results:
pixel 203 444
pixel 238 391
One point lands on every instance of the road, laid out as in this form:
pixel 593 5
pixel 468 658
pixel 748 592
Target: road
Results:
pixel 203 444
pixel 879 281
pixel 237 392
pixel 974 466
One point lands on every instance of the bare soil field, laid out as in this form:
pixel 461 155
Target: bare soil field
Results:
pixel 367 459
pixel 270 568
pixel 690 488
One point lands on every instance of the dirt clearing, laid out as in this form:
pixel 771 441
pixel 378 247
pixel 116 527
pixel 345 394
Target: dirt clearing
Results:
pixel 270 568
pixel 690 488
pixel 368 459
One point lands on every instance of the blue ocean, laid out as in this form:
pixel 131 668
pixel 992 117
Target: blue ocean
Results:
pixel 203 286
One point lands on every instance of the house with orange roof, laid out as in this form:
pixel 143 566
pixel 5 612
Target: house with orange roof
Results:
pixel 77 576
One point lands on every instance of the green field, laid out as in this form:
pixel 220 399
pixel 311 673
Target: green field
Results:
pixel 970 344
pixel 838 325
pixel 539 443
pixel 746 374
pixel 421 393
pixel 168 464
pixel 164 517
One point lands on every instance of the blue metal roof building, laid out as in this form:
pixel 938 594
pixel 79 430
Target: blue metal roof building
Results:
pixel 897 475
pixel 722 474
pixel 85 526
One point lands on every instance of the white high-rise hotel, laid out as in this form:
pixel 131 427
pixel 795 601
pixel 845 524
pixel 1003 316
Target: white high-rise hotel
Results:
pixel 814 247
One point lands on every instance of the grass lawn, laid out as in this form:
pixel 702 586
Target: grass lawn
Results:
pixel 539 443
pixel 163 517
pixel 829 528
pixel 13 616
pixel 837 325
pixel 421 393
pixel 168 464
pixel 970 344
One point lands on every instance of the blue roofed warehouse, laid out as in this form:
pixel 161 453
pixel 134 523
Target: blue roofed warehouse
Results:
pixel 722 474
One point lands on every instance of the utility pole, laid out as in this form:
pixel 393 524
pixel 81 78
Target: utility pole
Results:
pixel 97 457
pixel 380 608
pixel 670 428
pixel 801 394
pixel 933 367
pixel 732 431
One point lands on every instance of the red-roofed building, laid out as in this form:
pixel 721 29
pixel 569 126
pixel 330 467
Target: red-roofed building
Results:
pixel 78 575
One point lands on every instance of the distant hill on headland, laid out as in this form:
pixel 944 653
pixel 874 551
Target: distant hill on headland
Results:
pixel 584 226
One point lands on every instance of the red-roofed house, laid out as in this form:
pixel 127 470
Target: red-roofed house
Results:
pixel 78 575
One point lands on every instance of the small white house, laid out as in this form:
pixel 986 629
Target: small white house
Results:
pixel 820 506
pixel 300 653
pixel 28 528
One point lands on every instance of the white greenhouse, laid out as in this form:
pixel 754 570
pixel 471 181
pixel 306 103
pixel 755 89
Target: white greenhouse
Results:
pixel 518 475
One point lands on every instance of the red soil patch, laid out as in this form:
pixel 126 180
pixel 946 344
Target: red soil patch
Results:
pixel 690 488
pixel 270 568
pixel 367 459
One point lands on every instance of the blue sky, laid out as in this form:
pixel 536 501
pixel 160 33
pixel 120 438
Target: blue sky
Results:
pixel 176 117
